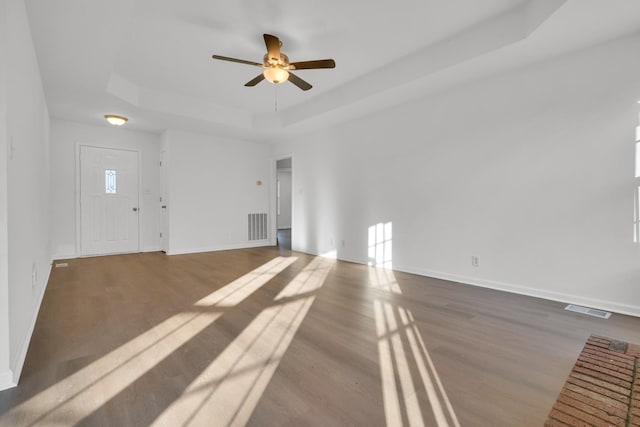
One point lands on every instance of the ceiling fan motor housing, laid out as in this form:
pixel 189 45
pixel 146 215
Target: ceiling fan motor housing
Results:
pixel 283 62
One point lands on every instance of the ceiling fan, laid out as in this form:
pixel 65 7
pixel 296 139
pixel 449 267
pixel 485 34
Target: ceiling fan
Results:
pixel 277 68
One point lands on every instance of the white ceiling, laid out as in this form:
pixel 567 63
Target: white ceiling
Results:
pixel 151 59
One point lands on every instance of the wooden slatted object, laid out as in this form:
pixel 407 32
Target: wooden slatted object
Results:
pixel 603 389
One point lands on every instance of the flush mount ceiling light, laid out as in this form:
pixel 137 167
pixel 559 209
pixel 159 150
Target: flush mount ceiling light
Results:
pixel 116 120
pixel 277 68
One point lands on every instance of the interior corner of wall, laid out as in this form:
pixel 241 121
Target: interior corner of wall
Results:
pixel 7 380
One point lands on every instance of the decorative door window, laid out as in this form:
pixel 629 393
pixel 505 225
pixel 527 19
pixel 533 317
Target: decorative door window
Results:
pixel 110 181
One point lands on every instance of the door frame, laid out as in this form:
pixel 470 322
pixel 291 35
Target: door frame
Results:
pixel 273 209
pixel 163 190
pixel 79 145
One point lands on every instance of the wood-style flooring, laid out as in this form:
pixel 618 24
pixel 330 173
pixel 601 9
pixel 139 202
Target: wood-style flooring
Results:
pixel 269 338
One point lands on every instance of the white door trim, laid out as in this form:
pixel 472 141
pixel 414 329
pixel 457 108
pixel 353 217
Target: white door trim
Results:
pixel 78 195
pixel 163 189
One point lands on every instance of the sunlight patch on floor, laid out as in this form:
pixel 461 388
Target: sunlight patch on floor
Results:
pixel 236 291
pixel 69 401
pixel 401 350
pixel 229 389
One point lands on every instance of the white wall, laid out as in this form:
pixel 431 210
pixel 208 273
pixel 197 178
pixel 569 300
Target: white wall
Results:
pixel 212 188
pixel 531 171
pixel 65 138
pixel 25 260
pixel 284 218
pixel 6 376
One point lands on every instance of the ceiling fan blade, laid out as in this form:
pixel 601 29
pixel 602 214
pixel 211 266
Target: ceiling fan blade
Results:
pixel 309 65
pixel 273 46
pixel 299 82
pixel 255 81
pixel 240 61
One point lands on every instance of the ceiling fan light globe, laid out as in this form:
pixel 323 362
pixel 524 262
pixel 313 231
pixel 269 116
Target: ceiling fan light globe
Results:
pixel 276 75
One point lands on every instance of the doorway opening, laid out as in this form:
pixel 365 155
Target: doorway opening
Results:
pixel 284 203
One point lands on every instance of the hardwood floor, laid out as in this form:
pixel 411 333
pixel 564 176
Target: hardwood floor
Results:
pixel 254 337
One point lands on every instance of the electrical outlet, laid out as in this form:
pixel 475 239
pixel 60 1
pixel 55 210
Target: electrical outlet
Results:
pixel 475 261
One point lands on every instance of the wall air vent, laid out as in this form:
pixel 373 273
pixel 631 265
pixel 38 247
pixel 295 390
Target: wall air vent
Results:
pixel 257 226
pixel 588 311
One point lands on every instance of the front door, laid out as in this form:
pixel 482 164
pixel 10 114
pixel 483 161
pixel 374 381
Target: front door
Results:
pixel 108 201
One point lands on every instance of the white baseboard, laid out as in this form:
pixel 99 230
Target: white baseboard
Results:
pixel 22 354
pixel 152 249
pixel 6 380
pixel 73 255
pixel 220 248
pixel 57 257
pixel 612 306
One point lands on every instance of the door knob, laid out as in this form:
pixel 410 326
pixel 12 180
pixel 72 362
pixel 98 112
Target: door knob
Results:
pixel 135 209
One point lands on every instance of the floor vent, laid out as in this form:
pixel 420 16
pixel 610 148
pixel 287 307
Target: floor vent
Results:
pixel 588 311
pixel 257 226
pixel 62 264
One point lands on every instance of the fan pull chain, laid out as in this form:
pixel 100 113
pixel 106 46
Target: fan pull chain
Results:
pixel 276 99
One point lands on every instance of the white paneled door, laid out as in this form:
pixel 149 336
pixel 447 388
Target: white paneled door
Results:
pixel 109 209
